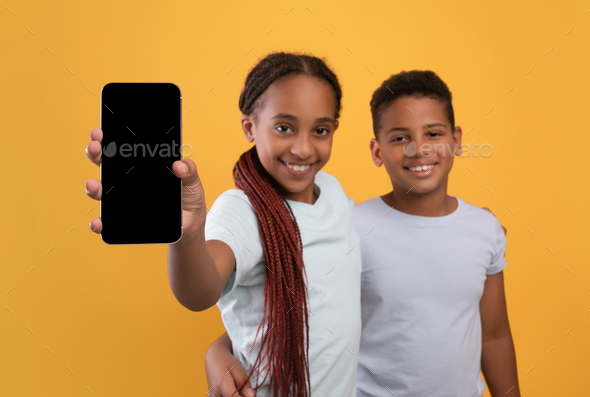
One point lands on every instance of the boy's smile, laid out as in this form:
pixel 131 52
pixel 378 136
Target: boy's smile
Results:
pixel 417 144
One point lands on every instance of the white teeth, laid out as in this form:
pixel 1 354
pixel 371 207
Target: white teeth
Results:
pixel 422 168
pixel 297 167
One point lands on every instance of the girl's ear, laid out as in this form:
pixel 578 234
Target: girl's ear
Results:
pixel 247 127
pixel 336 124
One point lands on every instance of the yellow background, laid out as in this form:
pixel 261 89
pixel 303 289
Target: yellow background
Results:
pixel 107 312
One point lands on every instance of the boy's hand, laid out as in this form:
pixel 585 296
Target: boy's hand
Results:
pixel 193 195
pixel 224 371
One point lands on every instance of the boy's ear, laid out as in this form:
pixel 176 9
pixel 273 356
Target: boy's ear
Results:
pixel 376 152
pixel 247 127
pixel 458 139
pixel 336 124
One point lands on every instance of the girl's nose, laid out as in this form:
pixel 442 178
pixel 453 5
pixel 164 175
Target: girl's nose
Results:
pixel 302 147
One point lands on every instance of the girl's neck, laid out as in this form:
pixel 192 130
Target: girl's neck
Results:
pixel 307 196
pixel 435 203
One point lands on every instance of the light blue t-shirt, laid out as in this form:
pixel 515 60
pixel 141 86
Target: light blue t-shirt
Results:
pixel 422 281
pixel 333 266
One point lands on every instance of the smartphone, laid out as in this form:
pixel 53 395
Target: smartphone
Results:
pixel 142 137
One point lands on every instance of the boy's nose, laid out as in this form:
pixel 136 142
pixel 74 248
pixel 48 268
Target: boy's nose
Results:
pixel 418 148
pixel 302 147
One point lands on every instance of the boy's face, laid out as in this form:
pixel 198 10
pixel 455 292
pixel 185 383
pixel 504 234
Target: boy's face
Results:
pixel 417 144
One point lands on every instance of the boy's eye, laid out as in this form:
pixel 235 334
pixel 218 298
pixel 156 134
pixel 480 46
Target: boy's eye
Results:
pixel 433 134
pixel 322 131
pixel 284 128
pixel 398 139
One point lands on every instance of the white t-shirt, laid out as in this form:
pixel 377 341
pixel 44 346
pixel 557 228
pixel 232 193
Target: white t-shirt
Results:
pixel 333 266
pixel 422 281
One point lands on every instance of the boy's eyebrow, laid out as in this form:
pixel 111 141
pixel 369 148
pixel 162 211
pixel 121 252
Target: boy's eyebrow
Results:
pixel 403 129
pixel 294 118
pixel 435 125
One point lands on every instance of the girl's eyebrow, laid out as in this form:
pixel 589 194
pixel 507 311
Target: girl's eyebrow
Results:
pixel 324 120
pixel 285 116
pixel 294 118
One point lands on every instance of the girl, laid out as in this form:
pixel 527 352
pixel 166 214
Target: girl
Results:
pixel 279 254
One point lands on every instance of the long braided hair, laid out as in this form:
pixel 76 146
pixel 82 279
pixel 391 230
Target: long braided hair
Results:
pixel 285 342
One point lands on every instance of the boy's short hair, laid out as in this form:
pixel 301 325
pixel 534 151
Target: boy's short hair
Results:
pixel 413 83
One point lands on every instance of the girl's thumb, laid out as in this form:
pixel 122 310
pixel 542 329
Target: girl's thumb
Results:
pixel 186 170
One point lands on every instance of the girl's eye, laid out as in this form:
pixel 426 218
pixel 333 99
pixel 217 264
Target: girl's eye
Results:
pixel 433 134
pixel 284 128
pixel 322 131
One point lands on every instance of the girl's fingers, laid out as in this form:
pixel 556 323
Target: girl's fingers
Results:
pixel 93 189
pixel 95 225
pixel 239 376
pixel 228 388
pixel 94 152
pixel 96 135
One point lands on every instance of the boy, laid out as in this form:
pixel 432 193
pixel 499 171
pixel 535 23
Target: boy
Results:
pixel 433 306
pixel 432 284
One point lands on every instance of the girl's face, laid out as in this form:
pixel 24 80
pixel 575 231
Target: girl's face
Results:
pixel 293 131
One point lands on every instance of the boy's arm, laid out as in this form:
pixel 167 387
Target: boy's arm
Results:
pixel 224 371
pixel 498 358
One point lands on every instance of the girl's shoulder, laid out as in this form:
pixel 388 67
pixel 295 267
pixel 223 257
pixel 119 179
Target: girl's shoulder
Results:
pixel 323 179
pixel 233 198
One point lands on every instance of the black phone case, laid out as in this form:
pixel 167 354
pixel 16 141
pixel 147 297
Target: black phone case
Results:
pixel 142 137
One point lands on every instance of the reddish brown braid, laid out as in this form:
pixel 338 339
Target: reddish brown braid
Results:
pixel 285 342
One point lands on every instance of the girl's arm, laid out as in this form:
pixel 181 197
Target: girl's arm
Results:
pixel 197 270
pixel 498 358
pixel 224 371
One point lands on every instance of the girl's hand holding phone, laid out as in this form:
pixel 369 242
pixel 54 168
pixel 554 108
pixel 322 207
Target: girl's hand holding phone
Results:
pixel 193 195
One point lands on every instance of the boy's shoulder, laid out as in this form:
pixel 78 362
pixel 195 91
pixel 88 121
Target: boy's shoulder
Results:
pixel 475 217
pixel 473 211
pixel 369 205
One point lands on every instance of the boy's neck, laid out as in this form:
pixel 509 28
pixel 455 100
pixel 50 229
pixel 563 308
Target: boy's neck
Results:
pixel 435 203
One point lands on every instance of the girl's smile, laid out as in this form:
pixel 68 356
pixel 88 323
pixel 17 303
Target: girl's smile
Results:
pixel 297 169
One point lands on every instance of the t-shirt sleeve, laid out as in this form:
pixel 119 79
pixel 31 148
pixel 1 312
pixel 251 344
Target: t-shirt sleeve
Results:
pixel 233 221
pixel 498 261
pixel 351 203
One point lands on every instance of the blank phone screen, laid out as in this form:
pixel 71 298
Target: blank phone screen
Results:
pixel 141 197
